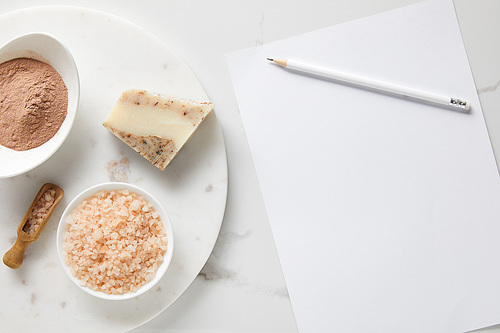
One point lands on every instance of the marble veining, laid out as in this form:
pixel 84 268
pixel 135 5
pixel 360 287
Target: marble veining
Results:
pixel 489 89
pixel 50 265
pixel 260 40
pixel 216 270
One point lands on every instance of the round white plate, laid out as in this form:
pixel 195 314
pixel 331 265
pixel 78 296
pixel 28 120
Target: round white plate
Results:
pixel 112 55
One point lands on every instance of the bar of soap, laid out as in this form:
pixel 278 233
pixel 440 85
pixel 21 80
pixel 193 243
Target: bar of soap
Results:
pixel 155 126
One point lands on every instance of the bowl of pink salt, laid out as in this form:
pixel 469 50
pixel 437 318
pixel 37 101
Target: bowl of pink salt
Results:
pixel 39 94
pixel 115 241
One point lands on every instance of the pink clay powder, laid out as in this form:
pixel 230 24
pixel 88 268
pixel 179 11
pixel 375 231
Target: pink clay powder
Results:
pixel 33 103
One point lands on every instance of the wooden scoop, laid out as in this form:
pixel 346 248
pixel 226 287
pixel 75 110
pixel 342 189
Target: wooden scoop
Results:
pixel 14 257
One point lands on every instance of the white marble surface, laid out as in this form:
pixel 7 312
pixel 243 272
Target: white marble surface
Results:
pixel 241 288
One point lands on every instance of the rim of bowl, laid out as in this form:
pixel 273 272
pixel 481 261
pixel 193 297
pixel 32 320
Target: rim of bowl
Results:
pixel 61 230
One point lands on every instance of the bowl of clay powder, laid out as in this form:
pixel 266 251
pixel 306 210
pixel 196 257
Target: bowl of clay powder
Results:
pixel 39 94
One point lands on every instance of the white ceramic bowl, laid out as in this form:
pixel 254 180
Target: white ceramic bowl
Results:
pixel 62 228
pixel 46 48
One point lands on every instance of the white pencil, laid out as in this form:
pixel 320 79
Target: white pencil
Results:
pixel 420 95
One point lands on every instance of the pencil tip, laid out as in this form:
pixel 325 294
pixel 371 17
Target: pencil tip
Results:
pixel 270 59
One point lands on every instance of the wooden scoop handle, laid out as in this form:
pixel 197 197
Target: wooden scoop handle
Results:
pixel 15 256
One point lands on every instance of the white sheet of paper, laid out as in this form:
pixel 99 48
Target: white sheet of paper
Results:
pixel 385 212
